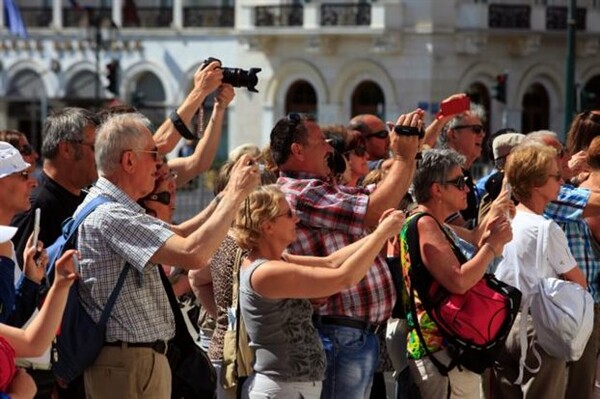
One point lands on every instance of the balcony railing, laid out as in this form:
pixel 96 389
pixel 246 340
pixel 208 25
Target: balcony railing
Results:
pixel 38 17
pixel 345 14
pixel 147 17
pixel 281 15
pixel 81 17
pixel 208 17
pixel 509 16
pixel 556 18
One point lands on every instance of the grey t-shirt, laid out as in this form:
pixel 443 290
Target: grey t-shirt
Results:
pixel 286 344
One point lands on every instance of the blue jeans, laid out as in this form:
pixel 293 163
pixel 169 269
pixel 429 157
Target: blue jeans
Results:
pixel 352 358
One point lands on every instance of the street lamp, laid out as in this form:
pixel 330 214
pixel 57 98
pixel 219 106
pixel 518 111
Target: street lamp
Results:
pixel 102 32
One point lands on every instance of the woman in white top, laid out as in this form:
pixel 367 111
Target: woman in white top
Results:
pixel 534 174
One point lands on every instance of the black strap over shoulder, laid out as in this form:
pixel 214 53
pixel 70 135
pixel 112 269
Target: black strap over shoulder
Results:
pixel 419 275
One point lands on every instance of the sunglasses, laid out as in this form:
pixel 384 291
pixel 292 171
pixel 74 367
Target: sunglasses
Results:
pixel 460 182
pixel 26 150
pixel 475 128
pixel 382 134
pixel 162 197
pixel 289 214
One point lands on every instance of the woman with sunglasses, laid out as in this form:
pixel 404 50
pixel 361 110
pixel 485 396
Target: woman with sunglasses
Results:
pixel 275 288
pixel 440 190
pixel 533 171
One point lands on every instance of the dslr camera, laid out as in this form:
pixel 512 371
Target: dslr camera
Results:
pixel 237 77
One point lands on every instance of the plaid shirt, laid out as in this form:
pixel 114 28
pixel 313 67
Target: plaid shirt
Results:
pixel 567 211
pixel 115 233
pixel 331 217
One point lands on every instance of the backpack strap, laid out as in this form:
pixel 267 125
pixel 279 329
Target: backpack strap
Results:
pixel 414 251
pixel 70 226
pixel 113 295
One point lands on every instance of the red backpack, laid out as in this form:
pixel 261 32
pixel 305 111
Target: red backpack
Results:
pixel 474 324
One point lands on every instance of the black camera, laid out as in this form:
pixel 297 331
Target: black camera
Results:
pixel 237 77
pixel 403 130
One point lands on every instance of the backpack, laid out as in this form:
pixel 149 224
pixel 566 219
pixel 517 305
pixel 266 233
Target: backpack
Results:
pixel 475 325
pixel 79 339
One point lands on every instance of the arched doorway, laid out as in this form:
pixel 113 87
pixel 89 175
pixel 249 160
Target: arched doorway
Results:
pixel 536 109
pixel 27 105
pixel 81 91
pixel 148 96
pixel 368 98
pixel 589 97
pixel 301 97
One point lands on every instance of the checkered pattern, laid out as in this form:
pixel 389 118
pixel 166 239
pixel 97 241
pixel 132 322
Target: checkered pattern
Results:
pixel 115 233
pixel 567 211
pixel 332 217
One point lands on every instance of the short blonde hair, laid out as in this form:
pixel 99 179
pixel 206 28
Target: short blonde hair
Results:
pixel 527 167
pixel 261 206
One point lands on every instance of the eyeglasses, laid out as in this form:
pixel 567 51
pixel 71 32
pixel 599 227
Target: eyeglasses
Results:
pixel 162 197
pixel 460 182
pixel 155 153
pixel 23 174
pixel 289 214
pixel 382 134
pixel 475 128
pixel 558 177
pixel 26 150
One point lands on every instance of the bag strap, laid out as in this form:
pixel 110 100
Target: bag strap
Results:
pixel 70 227
pixel 414 250
pixel 114 294
pixel 235 289
pixel 540 255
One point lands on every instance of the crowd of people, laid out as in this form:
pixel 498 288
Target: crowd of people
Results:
pixel 296 244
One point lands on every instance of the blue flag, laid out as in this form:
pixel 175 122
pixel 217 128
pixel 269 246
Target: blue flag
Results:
pixel 13 19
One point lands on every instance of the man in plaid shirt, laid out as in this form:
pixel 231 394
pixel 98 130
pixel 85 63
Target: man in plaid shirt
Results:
pixel 332 217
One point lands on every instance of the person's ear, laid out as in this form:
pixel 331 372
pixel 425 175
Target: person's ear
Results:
pixel 297 150
pixel 128 160
pixel 66 150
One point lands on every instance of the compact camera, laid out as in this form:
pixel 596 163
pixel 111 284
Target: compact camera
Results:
pixel 238 77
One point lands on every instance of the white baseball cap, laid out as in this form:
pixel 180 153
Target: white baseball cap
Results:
pixel 11 160
pixel 7 233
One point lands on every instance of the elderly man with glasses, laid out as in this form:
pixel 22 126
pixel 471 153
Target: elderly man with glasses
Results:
pixel 465 134
pixel 120 234
pixel 331 217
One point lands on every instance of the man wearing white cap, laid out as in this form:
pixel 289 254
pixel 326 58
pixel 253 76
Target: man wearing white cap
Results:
pixel 16 306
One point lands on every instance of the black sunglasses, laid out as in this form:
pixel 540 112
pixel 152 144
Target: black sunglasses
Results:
pixel 475 128
pixel 382 134
pixel 460 182
pixel 26 150
pixel 162 197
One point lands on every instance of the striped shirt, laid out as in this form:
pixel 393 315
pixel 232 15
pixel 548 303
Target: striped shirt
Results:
pixel 332 217
pixel 115 233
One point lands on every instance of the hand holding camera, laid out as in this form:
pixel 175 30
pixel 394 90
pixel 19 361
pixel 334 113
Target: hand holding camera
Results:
pixel 409 131
pixel 236 77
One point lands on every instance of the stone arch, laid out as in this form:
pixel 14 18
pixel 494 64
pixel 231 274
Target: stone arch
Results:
pixel 353 74
pixel 131 75
pixel 285 76
pixel 47 80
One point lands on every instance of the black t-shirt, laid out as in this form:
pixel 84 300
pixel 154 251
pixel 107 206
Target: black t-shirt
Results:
pixel 56 204
pixel 470 212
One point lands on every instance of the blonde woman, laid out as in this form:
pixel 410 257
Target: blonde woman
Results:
pixel 275 288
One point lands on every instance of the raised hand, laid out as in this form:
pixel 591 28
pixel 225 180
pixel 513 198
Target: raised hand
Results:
pixel 35 260
pixel 208 77
pixel 64 272
pixel 225 95
pixel 391 222
pixel 406 147
pixel 244 178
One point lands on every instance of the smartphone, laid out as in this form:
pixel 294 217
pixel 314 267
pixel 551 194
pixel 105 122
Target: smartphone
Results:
pixel 76 265
pixel 36 227
pixel 456 106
